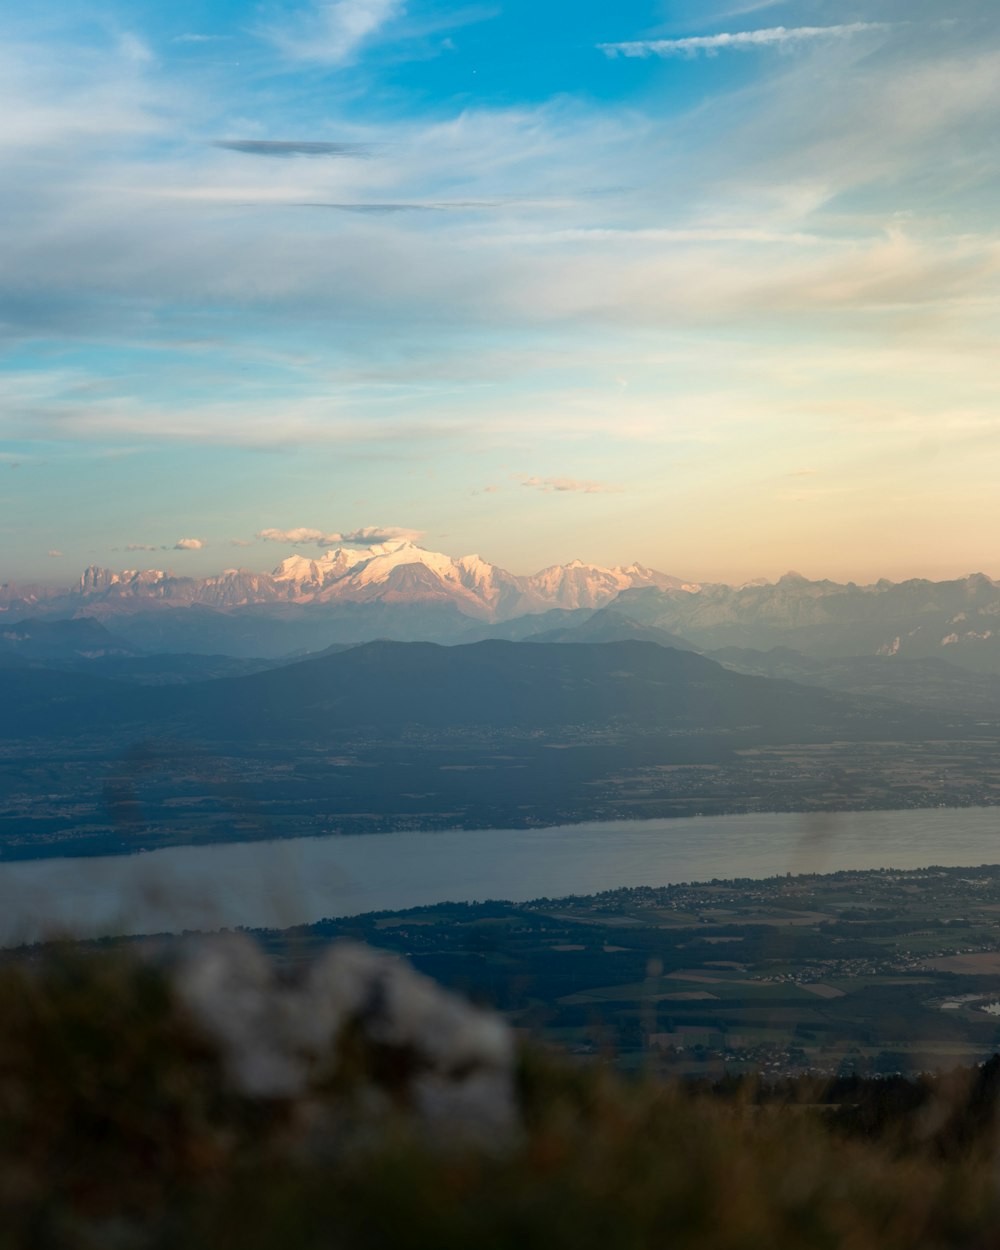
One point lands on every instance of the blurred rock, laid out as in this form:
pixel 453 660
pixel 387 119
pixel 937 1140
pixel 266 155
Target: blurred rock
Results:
pixel 420 1047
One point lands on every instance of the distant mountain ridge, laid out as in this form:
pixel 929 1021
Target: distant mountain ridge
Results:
pixel 401 591
pixel 39 640
pixel 390 573
pixel 956 620
pixel 637 686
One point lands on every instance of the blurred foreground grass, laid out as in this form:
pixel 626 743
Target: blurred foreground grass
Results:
pixel 119 1129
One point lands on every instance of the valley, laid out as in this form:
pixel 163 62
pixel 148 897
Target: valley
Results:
pixel 488 735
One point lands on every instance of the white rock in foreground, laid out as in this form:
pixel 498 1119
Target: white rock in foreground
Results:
pixel 456 1061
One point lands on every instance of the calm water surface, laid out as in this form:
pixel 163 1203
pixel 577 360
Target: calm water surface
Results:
pixel 306 879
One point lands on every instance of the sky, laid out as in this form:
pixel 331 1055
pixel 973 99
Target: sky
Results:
pixel 707 284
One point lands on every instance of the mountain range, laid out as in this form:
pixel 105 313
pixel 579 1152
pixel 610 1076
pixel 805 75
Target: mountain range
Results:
pixel 393 572
pixel 402 591
pixel 957 620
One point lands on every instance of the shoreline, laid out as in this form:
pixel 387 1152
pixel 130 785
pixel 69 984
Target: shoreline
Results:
pixel 59 853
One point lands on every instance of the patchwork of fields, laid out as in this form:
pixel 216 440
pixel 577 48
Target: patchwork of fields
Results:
pixel 878 971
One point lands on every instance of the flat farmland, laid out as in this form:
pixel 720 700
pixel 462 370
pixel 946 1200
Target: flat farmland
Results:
pixel 875 972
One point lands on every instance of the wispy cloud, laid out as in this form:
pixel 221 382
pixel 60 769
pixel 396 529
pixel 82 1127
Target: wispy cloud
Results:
pixel 55 555
pixel 331 33
pixel 397 206
pixel 561 484
pixel 284 148
pixel 182 544
pixel 711 45
pixel 367 536
pixel 301 536
pixel 134 49
pixel 749 6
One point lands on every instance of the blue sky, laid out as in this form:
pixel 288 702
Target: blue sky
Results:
pixel 710 286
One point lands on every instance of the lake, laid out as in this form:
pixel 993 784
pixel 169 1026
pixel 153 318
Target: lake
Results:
pixel 305 879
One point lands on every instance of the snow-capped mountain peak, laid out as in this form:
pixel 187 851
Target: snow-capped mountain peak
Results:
pixel 382 560
pixel 396 571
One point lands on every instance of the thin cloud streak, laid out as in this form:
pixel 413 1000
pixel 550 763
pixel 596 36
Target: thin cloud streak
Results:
pixel 367 536
pixel 565 485
pixel 399 207
pixel 711 45
pixel 284 148
pixel 751 6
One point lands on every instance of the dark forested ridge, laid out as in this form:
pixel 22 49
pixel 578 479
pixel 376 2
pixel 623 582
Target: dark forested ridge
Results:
pixel 489 684
pixel 538 686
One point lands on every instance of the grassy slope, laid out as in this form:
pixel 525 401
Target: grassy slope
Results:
pixel 116 1129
